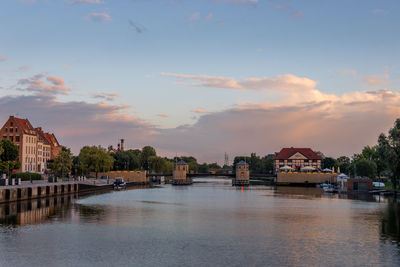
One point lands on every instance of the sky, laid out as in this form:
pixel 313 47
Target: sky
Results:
pixel 203 77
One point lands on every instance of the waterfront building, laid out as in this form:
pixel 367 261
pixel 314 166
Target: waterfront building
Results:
pixel 36 147
pixel 179 176
pixel 297 158
pixel 242 174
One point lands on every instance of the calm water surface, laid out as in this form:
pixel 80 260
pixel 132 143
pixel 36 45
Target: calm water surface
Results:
pixel 207 224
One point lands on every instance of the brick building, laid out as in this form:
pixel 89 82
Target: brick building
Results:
pixel 297 158
pixel 35 146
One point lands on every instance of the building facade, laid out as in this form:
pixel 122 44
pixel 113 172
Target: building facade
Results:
pixel 297 158
pixel 36 147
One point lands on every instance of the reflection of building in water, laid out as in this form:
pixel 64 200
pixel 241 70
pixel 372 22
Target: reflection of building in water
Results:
pixel 34 211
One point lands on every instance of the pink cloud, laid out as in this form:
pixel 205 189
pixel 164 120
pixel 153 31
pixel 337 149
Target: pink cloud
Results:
pixel 194 16
pixel 36 85
pixel 99 17
pixel 200 111
pixel 162 115
pixel 3 58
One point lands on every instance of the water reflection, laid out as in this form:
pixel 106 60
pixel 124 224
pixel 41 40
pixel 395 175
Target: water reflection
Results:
pixel 34 211
pixel 207 224
pixel 390 222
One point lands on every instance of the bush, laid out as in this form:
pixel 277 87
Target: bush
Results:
pixel 25 176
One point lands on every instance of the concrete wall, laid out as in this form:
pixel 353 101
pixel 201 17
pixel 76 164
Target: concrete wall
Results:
pixel 9 194
pixel 301 178
pixel 128 176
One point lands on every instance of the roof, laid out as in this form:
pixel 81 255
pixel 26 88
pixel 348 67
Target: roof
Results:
pixel 288 152
pixel 42 136
pixel 52 139
pixel 241 163
pixel 181 162
pixel 25 125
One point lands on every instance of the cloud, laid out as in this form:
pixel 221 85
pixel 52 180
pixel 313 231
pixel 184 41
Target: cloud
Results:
pixel 99 17
pixel 19 69
pixel 371 79
pixel 376 79
pixel 36 85
pixel 106 96
pixel 200 111
pixel 77 123
pixel 287 82
pixel 297 14
pixel 139 28
pixel 86 1
pixel 162 115
pixel 379 11
pixel 3 58
pixel 194 16
pixel 210 16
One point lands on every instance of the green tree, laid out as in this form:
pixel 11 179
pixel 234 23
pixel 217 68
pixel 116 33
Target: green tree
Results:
pixel 388 151
pixel 157 164
pixel 364 168
pixel 95 158
pixel 344 164
pixel 147 152
pixel 329 163
pixel 62 164
pixel 9 156
pixel 10 151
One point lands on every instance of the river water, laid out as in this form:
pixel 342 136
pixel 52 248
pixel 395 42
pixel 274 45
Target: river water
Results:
pixel 209 223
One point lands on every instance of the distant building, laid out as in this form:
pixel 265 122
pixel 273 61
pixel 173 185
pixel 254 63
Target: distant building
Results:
pixel 297 158
pixel 179 176
pixel 36 147
pixel 242 174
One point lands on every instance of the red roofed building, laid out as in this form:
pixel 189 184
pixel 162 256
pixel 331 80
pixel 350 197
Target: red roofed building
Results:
pixel 297 158
pixel 35 146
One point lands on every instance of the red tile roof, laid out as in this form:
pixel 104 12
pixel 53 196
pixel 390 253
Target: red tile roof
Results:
pixel 52 139
pixel 25 125
pixel 288 152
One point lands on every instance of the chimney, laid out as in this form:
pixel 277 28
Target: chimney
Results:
pixel 122 144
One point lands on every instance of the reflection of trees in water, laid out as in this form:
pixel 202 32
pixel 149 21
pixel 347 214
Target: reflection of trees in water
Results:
pixel 34 211
pixel 390 222
pixel 90 213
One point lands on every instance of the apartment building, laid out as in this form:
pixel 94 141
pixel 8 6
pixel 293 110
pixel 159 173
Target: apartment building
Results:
pixel 36 147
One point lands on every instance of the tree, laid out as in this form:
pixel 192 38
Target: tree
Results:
pixel 147 152
pixel 388 150
pixel 157 164
pixel 10 151
pixel 364 168
pixel 62 164
pixel 329 163
pixel 97 159
pixel 344 164
pixel 9 156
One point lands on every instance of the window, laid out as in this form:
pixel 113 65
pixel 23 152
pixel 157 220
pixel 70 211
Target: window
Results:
pixel 16 130
pixel 4 137
pixel 6 130
pixel 11 130
pixel 281 160
pixel 17 139
pixel 12 138
pixel 289 160
pixel 11 124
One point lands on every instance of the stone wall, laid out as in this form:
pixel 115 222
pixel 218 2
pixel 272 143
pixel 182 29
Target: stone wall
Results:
pixel 128 176
pixel 301 178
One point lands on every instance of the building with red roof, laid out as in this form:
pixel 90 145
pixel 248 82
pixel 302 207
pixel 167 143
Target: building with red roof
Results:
pixel 297 158
pixel 36 147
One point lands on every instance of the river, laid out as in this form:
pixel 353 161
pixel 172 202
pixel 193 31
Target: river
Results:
pixel 209 223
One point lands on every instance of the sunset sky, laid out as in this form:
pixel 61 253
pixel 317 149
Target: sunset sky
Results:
pixel 203 77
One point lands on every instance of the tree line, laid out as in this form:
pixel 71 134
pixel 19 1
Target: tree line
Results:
pixel 380 160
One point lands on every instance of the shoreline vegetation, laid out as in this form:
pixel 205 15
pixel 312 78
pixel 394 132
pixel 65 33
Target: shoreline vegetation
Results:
pixel 380 162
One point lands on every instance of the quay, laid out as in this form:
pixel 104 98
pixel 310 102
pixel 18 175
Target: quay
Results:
pixel 27 191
